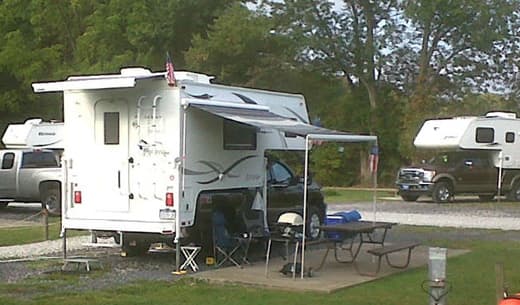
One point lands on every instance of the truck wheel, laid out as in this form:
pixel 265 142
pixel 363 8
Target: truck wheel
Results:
pixel 442 192
pixel 514 194
pixel 51 199
pixel 314 220
pixel 407 197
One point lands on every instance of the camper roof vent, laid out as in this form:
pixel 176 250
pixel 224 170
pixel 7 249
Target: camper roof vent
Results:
pixel 195 77
pixel 135 71
pixel 500 114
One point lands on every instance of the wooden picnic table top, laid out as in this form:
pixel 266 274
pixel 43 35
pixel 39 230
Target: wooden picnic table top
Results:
pixel 362 226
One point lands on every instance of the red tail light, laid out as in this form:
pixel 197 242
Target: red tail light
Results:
pixel 169 199
pixel 77 196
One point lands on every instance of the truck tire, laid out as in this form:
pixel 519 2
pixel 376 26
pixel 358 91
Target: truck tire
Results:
pixel 409 198
pixel 442 192
pixel 314 220
pixel 51 199
pixel 514 194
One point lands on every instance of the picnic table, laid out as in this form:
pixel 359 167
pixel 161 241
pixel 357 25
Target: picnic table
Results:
pixel 372 232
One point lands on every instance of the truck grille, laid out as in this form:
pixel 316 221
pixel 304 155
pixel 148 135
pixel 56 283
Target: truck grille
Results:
pixel 410 175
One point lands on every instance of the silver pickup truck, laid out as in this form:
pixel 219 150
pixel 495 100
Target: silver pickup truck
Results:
pixel 31 176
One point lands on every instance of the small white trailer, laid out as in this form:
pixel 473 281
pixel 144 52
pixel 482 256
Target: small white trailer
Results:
pixel 498 132
pixel 34 134
pixel 138 151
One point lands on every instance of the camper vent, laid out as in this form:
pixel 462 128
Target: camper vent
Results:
pixel 135 71
pixel 499 114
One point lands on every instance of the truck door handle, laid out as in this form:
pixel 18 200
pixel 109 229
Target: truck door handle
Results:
pixel 119 179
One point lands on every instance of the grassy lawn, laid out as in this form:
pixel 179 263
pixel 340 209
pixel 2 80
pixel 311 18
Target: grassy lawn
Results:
pixel 472 277
pixel 30 234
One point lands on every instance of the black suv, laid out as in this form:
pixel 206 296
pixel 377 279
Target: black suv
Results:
pixel 285 194
pixel 457 172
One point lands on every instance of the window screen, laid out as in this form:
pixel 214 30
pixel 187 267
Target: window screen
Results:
pixel 111 128
pixel 239 136
pixel 485 135
pixel 510 137
pixel 8 161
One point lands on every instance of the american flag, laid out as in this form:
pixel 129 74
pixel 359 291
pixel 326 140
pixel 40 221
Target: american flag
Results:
pixel 170 75
pixel 373 159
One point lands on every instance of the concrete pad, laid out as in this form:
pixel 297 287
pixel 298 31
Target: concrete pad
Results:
pixel 333 276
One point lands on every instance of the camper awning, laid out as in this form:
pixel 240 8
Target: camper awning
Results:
pixel 262 118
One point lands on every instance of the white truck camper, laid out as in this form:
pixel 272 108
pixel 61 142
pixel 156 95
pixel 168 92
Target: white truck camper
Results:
pixel 139 151
pixel 34 134
pixel 498 132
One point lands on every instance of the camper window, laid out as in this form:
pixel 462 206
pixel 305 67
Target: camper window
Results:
pixel 8 161
pixel 111 128
pixel 485 135
pixel 239 136
pixel 510 137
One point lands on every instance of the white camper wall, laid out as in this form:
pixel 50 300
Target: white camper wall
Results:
pixel 442 133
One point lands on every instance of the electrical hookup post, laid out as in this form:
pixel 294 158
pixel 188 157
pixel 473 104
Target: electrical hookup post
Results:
pixel 436 286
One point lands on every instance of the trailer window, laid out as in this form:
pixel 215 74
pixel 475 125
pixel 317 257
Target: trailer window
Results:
pixel 510 137
pixel 485 135
pixel 8 161
pixel 111 128
pixel 239 136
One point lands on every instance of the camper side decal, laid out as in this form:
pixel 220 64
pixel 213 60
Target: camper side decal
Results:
pixel 218 169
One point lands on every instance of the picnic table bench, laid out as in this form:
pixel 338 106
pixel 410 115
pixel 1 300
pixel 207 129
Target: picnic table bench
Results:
pixel 384 251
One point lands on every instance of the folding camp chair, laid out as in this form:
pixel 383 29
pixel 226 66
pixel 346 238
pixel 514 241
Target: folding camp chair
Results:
pixel 227 247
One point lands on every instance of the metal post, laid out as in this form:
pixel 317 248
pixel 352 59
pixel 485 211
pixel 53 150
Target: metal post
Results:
pixel 46 222
pixel 437 276
pixel 64 235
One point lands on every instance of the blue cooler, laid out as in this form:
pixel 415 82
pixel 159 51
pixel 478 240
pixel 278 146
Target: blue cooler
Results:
pixel 339 218
pixel 349 215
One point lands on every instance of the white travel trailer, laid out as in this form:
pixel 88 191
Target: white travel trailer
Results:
pixel 496 131
pixel 138 150
pixel 34 134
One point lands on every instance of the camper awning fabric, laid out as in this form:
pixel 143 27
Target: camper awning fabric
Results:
pixel 265 119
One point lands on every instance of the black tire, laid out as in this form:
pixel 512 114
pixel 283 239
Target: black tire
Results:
pixel 514 194
pixel 442 192
pixel 314 219
pixel 409 198
pixel 51 199
pixel 486 198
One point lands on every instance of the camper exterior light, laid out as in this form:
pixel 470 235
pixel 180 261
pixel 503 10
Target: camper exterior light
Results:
pixel 169 199
pixel 77 197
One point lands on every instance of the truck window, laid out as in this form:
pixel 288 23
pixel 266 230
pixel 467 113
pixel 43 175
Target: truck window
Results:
pixel 510 137
pixel 280 173
pixel 39 159
pixel 8 161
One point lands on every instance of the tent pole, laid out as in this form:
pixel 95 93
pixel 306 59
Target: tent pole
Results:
pixel 305 180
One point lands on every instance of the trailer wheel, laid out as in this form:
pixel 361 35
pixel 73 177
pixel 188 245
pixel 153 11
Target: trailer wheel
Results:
pixel 50 198
pixel 442 192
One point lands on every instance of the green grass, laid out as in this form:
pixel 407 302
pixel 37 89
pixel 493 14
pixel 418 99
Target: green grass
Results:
pixel 345 195
pixel 472 277
pixel 30 234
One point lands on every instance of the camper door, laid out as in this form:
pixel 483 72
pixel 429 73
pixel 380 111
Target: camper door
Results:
pixel 110 179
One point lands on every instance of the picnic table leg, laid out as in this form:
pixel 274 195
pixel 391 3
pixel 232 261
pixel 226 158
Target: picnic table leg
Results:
pixel 403 266
pixel 353 254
